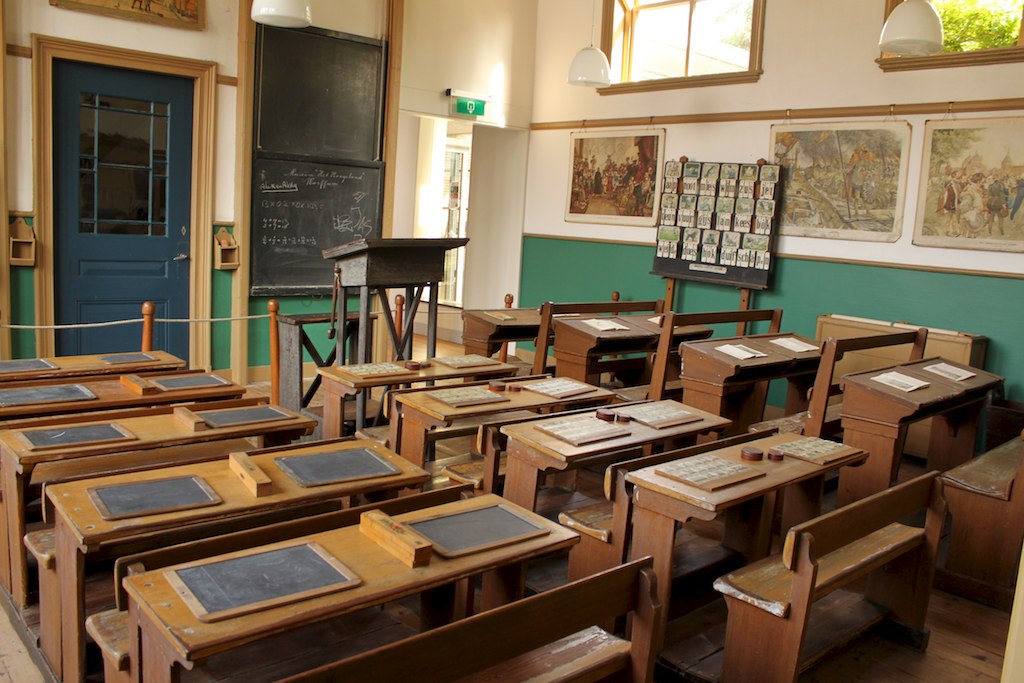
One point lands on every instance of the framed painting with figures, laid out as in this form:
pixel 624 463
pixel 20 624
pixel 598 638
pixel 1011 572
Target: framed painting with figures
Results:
pixel 972 185
pixel 174 13
pixel 615 177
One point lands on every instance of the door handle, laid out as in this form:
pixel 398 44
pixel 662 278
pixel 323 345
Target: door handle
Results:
pixel 180 257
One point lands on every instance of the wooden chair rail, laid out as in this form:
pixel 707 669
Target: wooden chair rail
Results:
pixel 741 317
pixel 520 629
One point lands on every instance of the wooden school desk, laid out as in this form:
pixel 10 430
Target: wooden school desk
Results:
pixel 531 451
pixel 82 530
pixel 580 347
pixel 171 637
pixel 484 331
pixel 134 362
pixel 747 507
pixel 166 435
pixel 419 412
pixel 339 385
pixel 876 417
pixel 737 388
pixel 26 399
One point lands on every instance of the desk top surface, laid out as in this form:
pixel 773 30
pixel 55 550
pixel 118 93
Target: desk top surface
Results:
pixel 776 475
pixel 384 578
pixel 434 371
pixel 162 428
pixel 85 366
pixel 864 396
pixel 73 502
pixel 531 434
pixel 493 319
pixel 108 393
pixel 579 333
pixel 705 360
pixel 422 402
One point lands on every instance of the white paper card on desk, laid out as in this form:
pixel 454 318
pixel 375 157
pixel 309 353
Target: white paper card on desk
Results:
pixel 900 381
pixel 739 351
pixel 656 319
pixel 949 372
pixel 470 360
pixel 581 430
pixel 603 325
pixel 559 387
pixel 794 344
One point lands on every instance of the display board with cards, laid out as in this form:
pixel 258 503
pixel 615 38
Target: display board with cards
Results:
pixel 718 222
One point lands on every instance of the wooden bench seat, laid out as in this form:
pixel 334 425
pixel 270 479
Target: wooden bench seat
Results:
pixel 770 601
pixel 988 526
pixel 473 472
pixel 548 637
pixel 109 629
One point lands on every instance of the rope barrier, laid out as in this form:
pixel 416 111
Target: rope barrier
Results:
pixel 112 323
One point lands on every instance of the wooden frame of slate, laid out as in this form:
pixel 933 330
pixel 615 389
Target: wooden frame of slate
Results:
pixel 320 469
pixel 233 417
pixel 84 435
pixel 257 579
pixel 473 531
pixel 152 497
pixel 54 393
pixel 26 365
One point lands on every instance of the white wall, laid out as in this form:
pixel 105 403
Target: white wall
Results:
pixel 816 54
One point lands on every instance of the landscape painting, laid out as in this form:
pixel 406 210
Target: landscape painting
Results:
pixel 842 180
pixel 972 187
pixel 615 177
pixel 175 13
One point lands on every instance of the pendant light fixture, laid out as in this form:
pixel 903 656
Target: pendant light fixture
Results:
pixel 589 67
pixel 913 29
pixel 283 13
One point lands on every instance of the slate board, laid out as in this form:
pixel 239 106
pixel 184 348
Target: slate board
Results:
pixel 142 498
pixel 241 416
pixel 58 393
pixel 188 382
pixel 25 365
pixel 248 583
pixel 75 436
pixel 336 466
pixel 473 531
pixel 117 358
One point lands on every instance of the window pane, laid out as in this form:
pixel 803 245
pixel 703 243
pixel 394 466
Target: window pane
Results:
pixel 86 187
pixel 124 138
pixel 87 131
pixel 659 42
pixel 86 227
pixel 121 228
pixel 158 229
pixel 159 138
pixel 123 194
pixel 125 103
pixel 721 36
pixel 979 24
pixel 159 200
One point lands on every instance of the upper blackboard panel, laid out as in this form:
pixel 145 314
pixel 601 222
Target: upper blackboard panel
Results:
pixel 318 94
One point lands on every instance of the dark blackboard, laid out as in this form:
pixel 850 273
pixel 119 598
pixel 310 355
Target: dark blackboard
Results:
pixel 25 365
pixel 217 590
pixel 71 436
pixel 300 208
pixel 116 358
pixel 189 382
pixel 318 94
pixel 330 468
pixel 241 416
pixel 152 497
pixel 53 394
pixel 476 530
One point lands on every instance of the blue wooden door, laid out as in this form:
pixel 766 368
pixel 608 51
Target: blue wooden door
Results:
pixel 122 177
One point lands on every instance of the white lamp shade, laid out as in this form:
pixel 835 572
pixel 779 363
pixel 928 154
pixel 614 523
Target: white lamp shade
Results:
pixel 284 13
pixel 590 68
pixel 913 29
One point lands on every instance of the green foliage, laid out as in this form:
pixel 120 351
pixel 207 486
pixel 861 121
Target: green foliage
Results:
pixel 979 24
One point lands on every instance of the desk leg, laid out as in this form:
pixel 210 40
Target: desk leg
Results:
pixel 49 612
pixel 571 368
pixel 801 502
pixel 953 437
pixel 412 443
pixel 157 665
pixel 748 527
pixel 5 551
pixel 492 459
pixel 71 578
pixel 503 585
pixel 14 506
pixel 364 350
pixel 879 470
pixel 521 479
pixel 654 534
pixel 334 413
pixel 437 606
pixel 796 394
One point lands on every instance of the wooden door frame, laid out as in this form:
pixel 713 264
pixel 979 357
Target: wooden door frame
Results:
pixel 46 49
pixel 5 264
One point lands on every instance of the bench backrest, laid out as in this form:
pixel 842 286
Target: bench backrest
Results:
pixel 550 309
pixel 488 639
pixel 826 384
pixel 270 533
pixel 841 527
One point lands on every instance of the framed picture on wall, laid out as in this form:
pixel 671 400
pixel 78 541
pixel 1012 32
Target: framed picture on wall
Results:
pixel 972 185
pixel 174 13
pixel 843 180
pixel 615 177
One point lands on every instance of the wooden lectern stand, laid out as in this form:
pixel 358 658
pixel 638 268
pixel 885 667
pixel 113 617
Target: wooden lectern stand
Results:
pixel 414 264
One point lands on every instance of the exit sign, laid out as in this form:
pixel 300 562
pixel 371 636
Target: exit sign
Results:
pixel 469 107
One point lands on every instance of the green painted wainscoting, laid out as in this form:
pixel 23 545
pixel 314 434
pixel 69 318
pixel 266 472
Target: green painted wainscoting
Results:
pixel 575 270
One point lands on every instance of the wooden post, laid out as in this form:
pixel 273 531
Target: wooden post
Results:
pixel 399 316
pixel 746 299
pixel 148 309
pixel 670 294
pixel 503 354
pixel 275 353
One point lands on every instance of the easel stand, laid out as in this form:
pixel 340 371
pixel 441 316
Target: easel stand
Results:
pixel 377 264
pixel 746 301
